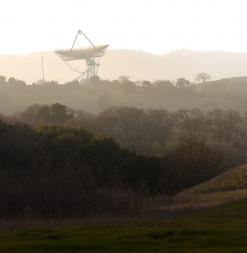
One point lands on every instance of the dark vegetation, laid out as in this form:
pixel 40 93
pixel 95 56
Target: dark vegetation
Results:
pixel 58 171
pixel 51 165
pixel 137 173
pixel 61 162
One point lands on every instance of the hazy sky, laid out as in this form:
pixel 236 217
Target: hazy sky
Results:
pixel 155 26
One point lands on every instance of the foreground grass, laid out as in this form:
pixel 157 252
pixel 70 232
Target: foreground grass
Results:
pixel 219 230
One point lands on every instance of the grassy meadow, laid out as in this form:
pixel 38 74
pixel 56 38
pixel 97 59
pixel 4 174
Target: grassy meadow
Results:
pixel 222 229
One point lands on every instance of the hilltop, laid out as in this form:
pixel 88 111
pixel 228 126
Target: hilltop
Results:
pixel 95 96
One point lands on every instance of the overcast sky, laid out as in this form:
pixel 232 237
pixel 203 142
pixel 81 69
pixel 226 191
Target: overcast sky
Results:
pixel 155 26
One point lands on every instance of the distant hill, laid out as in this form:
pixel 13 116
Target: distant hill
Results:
pixel 136 64
pixel 229 93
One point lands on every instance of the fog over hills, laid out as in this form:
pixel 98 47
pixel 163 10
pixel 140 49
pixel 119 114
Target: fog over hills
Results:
pixel 136 64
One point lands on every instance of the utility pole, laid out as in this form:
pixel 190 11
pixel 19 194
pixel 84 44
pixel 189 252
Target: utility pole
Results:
pixel 43 73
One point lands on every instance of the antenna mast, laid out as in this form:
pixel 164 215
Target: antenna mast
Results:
pixel 43 73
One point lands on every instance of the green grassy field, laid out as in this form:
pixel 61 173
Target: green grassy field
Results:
pixel 216 230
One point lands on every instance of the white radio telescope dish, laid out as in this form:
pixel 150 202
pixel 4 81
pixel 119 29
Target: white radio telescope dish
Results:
pixel 88 54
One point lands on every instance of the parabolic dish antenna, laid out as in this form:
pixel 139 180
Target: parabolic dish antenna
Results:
pixel 88 54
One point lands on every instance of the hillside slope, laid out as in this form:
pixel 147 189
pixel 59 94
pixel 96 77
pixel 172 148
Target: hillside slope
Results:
pixel 233 179
pixel 225 93
pixel 230 186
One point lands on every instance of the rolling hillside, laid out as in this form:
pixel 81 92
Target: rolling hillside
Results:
pixel 234 179
pixel 228 187
pixel 229 93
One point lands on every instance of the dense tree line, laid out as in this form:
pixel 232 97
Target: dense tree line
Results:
pixel 96 95
pixel 146 131
pixel 58 161
pixel 59 171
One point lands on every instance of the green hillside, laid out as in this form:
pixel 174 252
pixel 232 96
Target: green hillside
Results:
pixel 230 186
pixel 234 179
